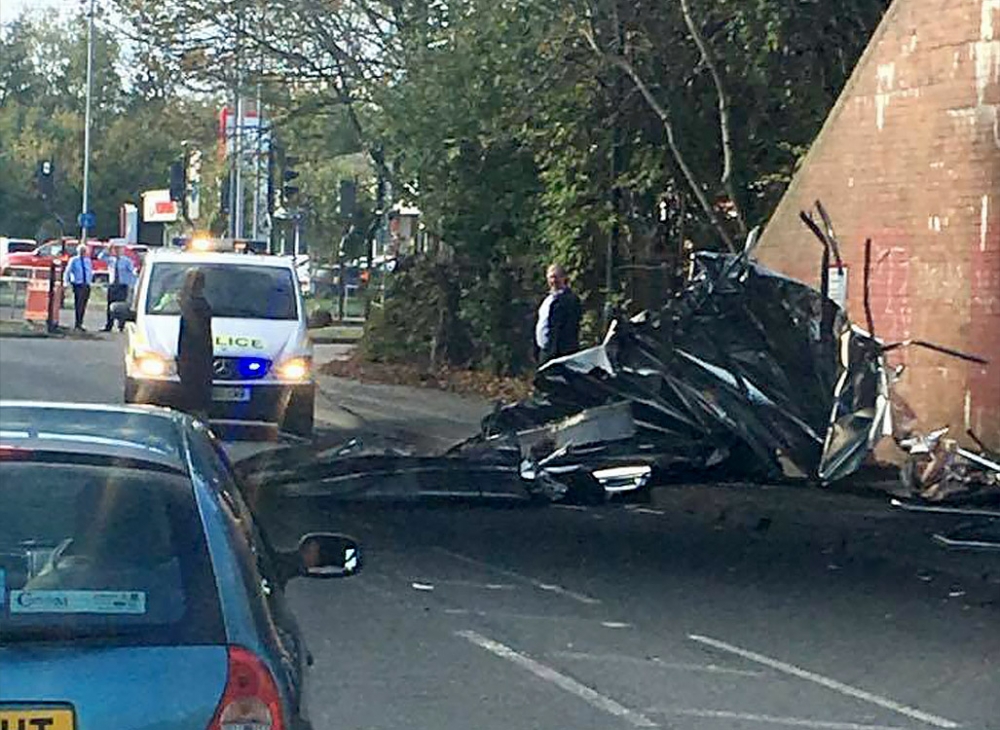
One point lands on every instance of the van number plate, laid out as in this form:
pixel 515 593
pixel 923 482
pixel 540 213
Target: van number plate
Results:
pixel 231 393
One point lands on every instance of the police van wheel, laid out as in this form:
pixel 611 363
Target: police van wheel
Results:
pixel 298 419
pixel 131 390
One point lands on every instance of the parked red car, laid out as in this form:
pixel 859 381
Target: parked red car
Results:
pixel 63 250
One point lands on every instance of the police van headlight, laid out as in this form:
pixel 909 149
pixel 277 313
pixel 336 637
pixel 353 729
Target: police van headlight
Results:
pixel 153 365
pixel 296 369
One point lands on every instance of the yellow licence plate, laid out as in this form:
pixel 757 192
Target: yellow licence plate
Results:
pixel 36 719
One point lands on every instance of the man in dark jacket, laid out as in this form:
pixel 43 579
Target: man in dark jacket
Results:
pixel 557 330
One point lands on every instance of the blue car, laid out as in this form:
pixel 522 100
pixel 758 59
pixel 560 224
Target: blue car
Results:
pixel 136 588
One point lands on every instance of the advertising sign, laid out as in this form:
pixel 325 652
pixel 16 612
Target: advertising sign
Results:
pixel 157 207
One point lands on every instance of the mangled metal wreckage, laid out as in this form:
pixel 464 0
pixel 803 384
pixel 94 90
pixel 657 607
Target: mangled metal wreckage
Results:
pixel 745 374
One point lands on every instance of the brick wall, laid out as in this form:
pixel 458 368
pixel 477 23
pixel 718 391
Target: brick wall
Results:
pixel 910 157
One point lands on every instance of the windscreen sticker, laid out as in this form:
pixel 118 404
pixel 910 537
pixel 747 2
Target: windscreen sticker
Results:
pixel 109 602
pixel 240 342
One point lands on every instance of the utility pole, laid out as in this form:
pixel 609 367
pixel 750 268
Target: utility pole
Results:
pixel 296 239
pixel 236 201
pixel 256 167
pixel 238 204
pixel 85 222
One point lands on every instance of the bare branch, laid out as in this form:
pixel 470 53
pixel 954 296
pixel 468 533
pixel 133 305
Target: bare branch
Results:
pixel 720 92
pixel 663 113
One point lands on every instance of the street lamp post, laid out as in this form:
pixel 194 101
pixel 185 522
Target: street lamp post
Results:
pixel 85 222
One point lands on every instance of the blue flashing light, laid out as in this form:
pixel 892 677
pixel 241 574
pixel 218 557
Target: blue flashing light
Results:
pixel 252 367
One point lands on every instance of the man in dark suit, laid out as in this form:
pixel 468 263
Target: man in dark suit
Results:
pixel 557 330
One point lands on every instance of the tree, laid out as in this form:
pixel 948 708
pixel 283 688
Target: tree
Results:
pixel 135 136
pixel 600 133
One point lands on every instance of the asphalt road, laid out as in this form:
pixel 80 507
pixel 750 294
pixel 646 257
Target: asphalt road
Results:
pixel 726 608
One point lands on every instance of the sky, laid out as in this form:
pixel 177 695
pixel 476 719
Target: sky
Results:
pixel 10 9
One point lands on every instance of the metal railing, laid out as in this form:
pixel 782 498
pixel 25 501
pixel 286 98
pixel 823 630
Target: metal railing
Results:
pixel 13 297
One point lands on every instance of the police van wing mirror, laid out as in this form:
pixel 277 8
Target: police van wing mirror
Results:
pixel 122 312
pixel 319 319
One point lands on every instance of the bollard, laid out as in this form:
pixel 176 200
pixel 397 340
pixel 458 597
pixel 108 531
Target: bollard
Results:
pixel 55 296
pixel 36 300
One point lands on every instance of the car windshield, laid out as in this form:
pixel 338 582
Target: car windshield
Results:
pixel 101 552
pixel 233 290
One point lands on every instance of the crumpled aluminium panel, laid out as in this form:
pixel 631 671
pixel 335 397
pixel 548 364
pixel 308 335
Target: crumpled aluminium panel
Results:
pixel 747 369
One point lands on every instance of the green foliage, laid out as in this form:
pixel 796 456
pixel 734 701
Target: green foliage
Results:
pixel 134 137
pixel 417 323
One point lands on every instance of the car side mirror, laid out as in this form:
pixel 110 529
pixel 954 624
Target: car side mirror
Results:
pixel 328 555
pixel 319 319
pixel 122 312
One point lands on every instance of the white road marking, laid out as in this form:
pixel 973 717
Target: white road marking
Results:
pixel 422 586
pixel 543 671
pixel 573 507
pixel 653 662
pixel 832 684
pixel 769 719
pixel 472 584
pixel 549 587
pixel 648 511
pixel 535 617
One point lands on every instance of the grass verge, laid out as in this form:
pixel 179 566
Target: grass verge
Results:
pixel 452 380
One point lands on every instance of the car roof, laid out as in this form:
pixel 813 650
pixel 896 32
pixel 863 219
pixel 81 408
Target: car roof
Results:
pixel 140 433
pixel 212 257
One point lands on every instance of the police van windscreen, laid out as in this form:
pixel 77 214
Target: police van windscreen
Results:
pixel 232 290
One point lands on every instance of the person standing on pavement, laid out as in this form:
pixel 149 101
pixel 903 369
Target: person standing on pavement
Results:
pixel 557 329
pixel 121 278
pixel 194 345
pixel 79 274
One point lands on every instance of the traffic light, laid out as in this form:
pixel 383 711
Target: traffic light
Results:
pixel 289 174
pixel 178 181
pixel 44 177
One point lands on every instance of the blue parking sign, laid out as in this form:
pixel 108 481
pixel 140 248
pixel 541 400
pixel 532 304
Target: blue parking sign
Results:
pixel 86 220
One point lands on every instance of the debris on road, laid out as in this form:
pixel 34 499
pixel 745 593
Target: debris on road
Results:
pixel 945 479
pixel 939 470
pixel 745 374
pixel 353 472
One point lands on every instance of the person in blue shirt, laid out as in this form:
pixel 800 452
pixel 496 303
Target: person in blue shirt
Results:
pixel 79 274
pixel 121 278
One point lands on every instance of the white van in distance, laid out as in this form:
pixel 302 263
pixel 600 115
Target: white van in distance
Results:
pixel 262 354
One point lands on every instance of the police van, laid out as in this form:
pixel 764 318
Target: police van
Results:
pixel 263 356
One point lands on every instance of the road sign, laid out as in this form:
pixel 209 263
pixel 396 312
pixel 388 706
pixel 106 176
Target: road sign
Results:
pixel 87 220
pixel 157 207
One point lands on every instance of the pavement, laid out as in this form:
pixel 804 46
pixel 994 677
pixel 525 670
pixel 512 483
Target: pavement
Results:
pixel 707 607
